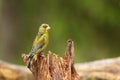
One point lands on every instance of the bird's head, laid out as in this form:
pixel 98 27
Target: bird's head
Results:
pixel 44 28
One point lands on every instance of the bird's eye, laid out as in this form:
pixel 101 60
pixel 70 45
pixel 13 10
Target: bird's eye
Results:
pixel 45 26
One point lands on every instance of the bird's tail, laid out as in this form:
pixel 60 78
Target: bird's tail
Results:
pixel 30 57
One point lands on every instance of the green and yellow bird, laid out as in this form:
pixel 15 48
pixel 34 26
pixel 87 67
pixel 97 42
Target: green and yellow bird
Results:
pixel 41 41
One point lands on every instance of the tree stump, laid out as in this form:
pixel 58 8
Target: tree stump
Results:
pixel 53 67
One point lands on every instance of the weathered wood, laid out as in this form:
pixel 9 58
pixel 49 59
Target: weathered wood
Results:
pixel 107 69
pixel 53 67
pixel 14 72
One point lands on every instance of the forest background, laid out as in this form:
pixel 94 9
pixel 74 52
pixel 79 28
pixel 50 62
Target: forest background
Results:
pixel 93 25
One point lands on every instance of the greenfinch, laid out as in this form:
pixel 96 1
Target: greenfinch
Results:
pixel 40 43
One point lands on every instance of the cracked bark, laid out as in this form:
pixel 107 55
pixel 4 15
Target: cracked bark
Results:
pixel 53 67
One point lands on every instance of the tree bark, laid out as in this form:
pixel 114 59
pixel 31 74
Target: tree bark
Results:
pixel 53 67
pixel 14 72
pixel 107 69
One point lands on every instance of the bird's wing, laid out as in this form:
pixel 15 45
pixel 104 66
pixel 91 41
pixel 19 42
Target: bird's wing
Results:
pixel 38 44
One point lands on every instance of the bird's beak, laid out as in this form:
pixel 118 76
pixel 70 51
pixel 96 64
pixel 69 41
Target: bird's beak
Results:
pixel 48 28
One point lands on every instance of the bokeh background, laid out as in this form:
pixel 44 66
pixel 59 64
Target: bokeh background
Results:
pixel 93 25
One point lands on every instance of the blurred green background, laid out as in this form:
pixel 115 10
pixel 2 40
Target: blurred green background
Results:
pixel 93 25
